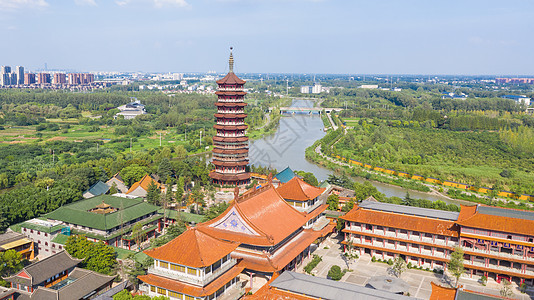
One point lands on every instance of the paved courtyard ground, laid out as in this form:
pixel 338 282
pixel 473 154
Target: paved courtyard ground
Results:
pixel 363 269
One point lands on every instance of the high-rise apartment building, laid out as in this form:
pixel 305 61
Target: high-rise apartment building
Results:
pixel 29 78
pixel 20 75
pixel 43 78
pixel 5 75
pixel 60 78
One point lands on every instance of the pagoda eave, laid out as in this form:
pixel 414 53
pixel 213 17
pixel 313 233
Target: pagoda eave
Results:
pixel 227 151
pixel 229 163
pixel 230 116
pixel 229 177
pixel 231 104
pixel 221 139
pixel 230 127
pixel 230 93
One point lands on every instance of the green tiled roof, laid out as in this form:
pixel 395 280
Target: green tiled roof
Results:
pixel 78 212
pixel 41 228
pixel 185 216
pixel 60 239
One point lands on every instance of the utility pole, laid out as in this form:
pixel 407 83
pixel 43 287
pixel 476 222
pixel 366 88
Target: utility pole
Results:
pixel 160 139
pixel 96 147
pixel 130 144
pixel 201 138
pixel 53 158
pixel 287 86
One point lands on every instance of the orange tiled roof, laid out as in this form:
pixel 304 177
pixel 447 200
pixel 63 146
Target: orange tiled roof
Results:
pixel 297 189
pixel 143 183
pixel 466 212
pixel 231 78
pixel 408 222
pixel 193 248
pixel 442 293
pixel 192 290
pixel 263 210
pixel 473 218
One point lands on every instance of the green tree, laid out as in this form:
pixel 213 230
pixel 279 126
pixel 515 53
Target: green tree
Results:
pixel 335 273
pixel 138 235
pixel 309 178
pixel 4 181
pixel 164 168
pixel 153 194
pixel 333 202
pixel 506 288
pixel 399 266
pixel 215 210
pixel 123 295
pixel 133 173
pixel 10 262
pixel 97 257
pixel 456 263
pixel 113 189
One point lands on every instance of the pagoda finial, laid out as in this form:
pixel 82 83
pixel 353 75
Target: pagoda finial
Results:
pixel 231 60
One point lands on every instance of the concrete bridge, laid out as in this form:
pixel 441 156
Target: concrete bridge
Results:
pixel 305 110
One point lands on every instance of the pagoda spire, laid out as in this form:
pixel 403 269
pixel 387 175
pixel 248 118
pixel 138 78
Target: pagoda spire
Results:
pixel 231 61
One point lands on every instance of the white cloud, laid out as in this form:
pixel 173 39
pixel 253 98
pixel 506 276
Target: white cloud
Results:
pixel 156 3
pixel 122 3
pixel 16 4
pixel 177 3
pixel 85 2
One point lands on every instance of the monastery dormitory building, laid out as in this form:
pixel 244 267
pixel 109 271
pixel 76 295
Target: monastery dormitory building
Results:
pixel 497 242
pixel 263 232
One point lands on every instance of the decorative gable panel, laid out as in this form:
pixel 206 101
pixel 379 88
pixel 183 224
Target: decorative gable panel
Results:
pixel 232 221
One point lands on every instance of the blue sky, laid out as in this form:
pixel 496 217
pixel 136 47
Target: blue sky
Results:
pixel 271 36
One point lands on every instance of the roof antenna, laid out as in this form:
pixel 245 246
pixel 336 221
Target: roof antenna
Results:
pixel 231 61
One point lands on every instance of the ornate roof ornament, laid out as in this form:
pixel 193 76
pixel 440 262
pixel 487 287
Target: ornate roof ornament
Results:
pixel 231 61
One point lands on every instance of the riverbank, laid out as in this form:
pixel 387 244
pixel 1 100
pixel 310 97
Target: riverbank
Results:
pixel 315 154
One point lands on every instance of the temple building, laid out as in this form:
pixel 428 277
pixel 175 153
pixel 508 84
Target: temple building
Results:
pixel 230 144
pixel 58 277
pixel 498 242
pixel 259 235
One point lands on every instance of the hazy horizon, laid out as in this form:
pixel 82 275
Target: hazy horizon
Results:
pixel 414 37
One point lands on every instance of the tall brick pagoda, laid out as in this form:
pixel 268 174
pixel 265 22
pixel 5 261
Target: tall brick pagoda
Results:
pixel 230 151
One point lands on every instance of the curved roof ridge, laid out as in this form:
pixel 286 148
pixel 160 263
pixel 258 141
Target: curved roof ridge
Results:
pixel 283 200
pixel 246 219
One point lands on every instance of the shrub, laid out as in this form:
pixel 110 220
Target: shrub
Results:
pixel 335 273
pixel 390 262
pixel 483 280
pixel 409 265
pixel 373 259
pixel 313 263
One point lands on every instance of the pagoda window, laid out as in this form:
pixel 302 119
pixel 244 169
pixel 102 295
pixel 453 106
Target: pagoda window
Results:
pixel 152 288
pixel 164 265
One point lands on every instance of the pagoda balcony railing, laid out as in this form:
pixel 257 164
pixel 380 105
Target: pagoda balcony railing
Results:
pixel 230 123
pixel 231 135
pixel 227 100
pixel 236 112
pixel 193 279
pixel 231 172
pixel 222 89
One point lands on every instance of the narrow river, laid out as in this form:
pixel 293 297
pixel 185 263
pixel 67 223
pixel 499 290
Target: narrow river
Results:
pixel 286 147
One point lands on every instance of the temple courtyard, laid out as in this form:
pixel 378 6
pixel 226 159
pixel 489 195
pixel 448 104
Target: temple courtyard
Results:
pixel 363 269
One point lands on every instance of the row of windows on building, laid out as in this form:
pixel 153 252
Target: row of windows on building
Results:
pixel 176 295
pixel 192 271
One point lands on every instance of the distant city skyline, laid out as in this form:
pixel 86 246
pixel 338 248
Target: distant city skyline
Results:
pixel 294 36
